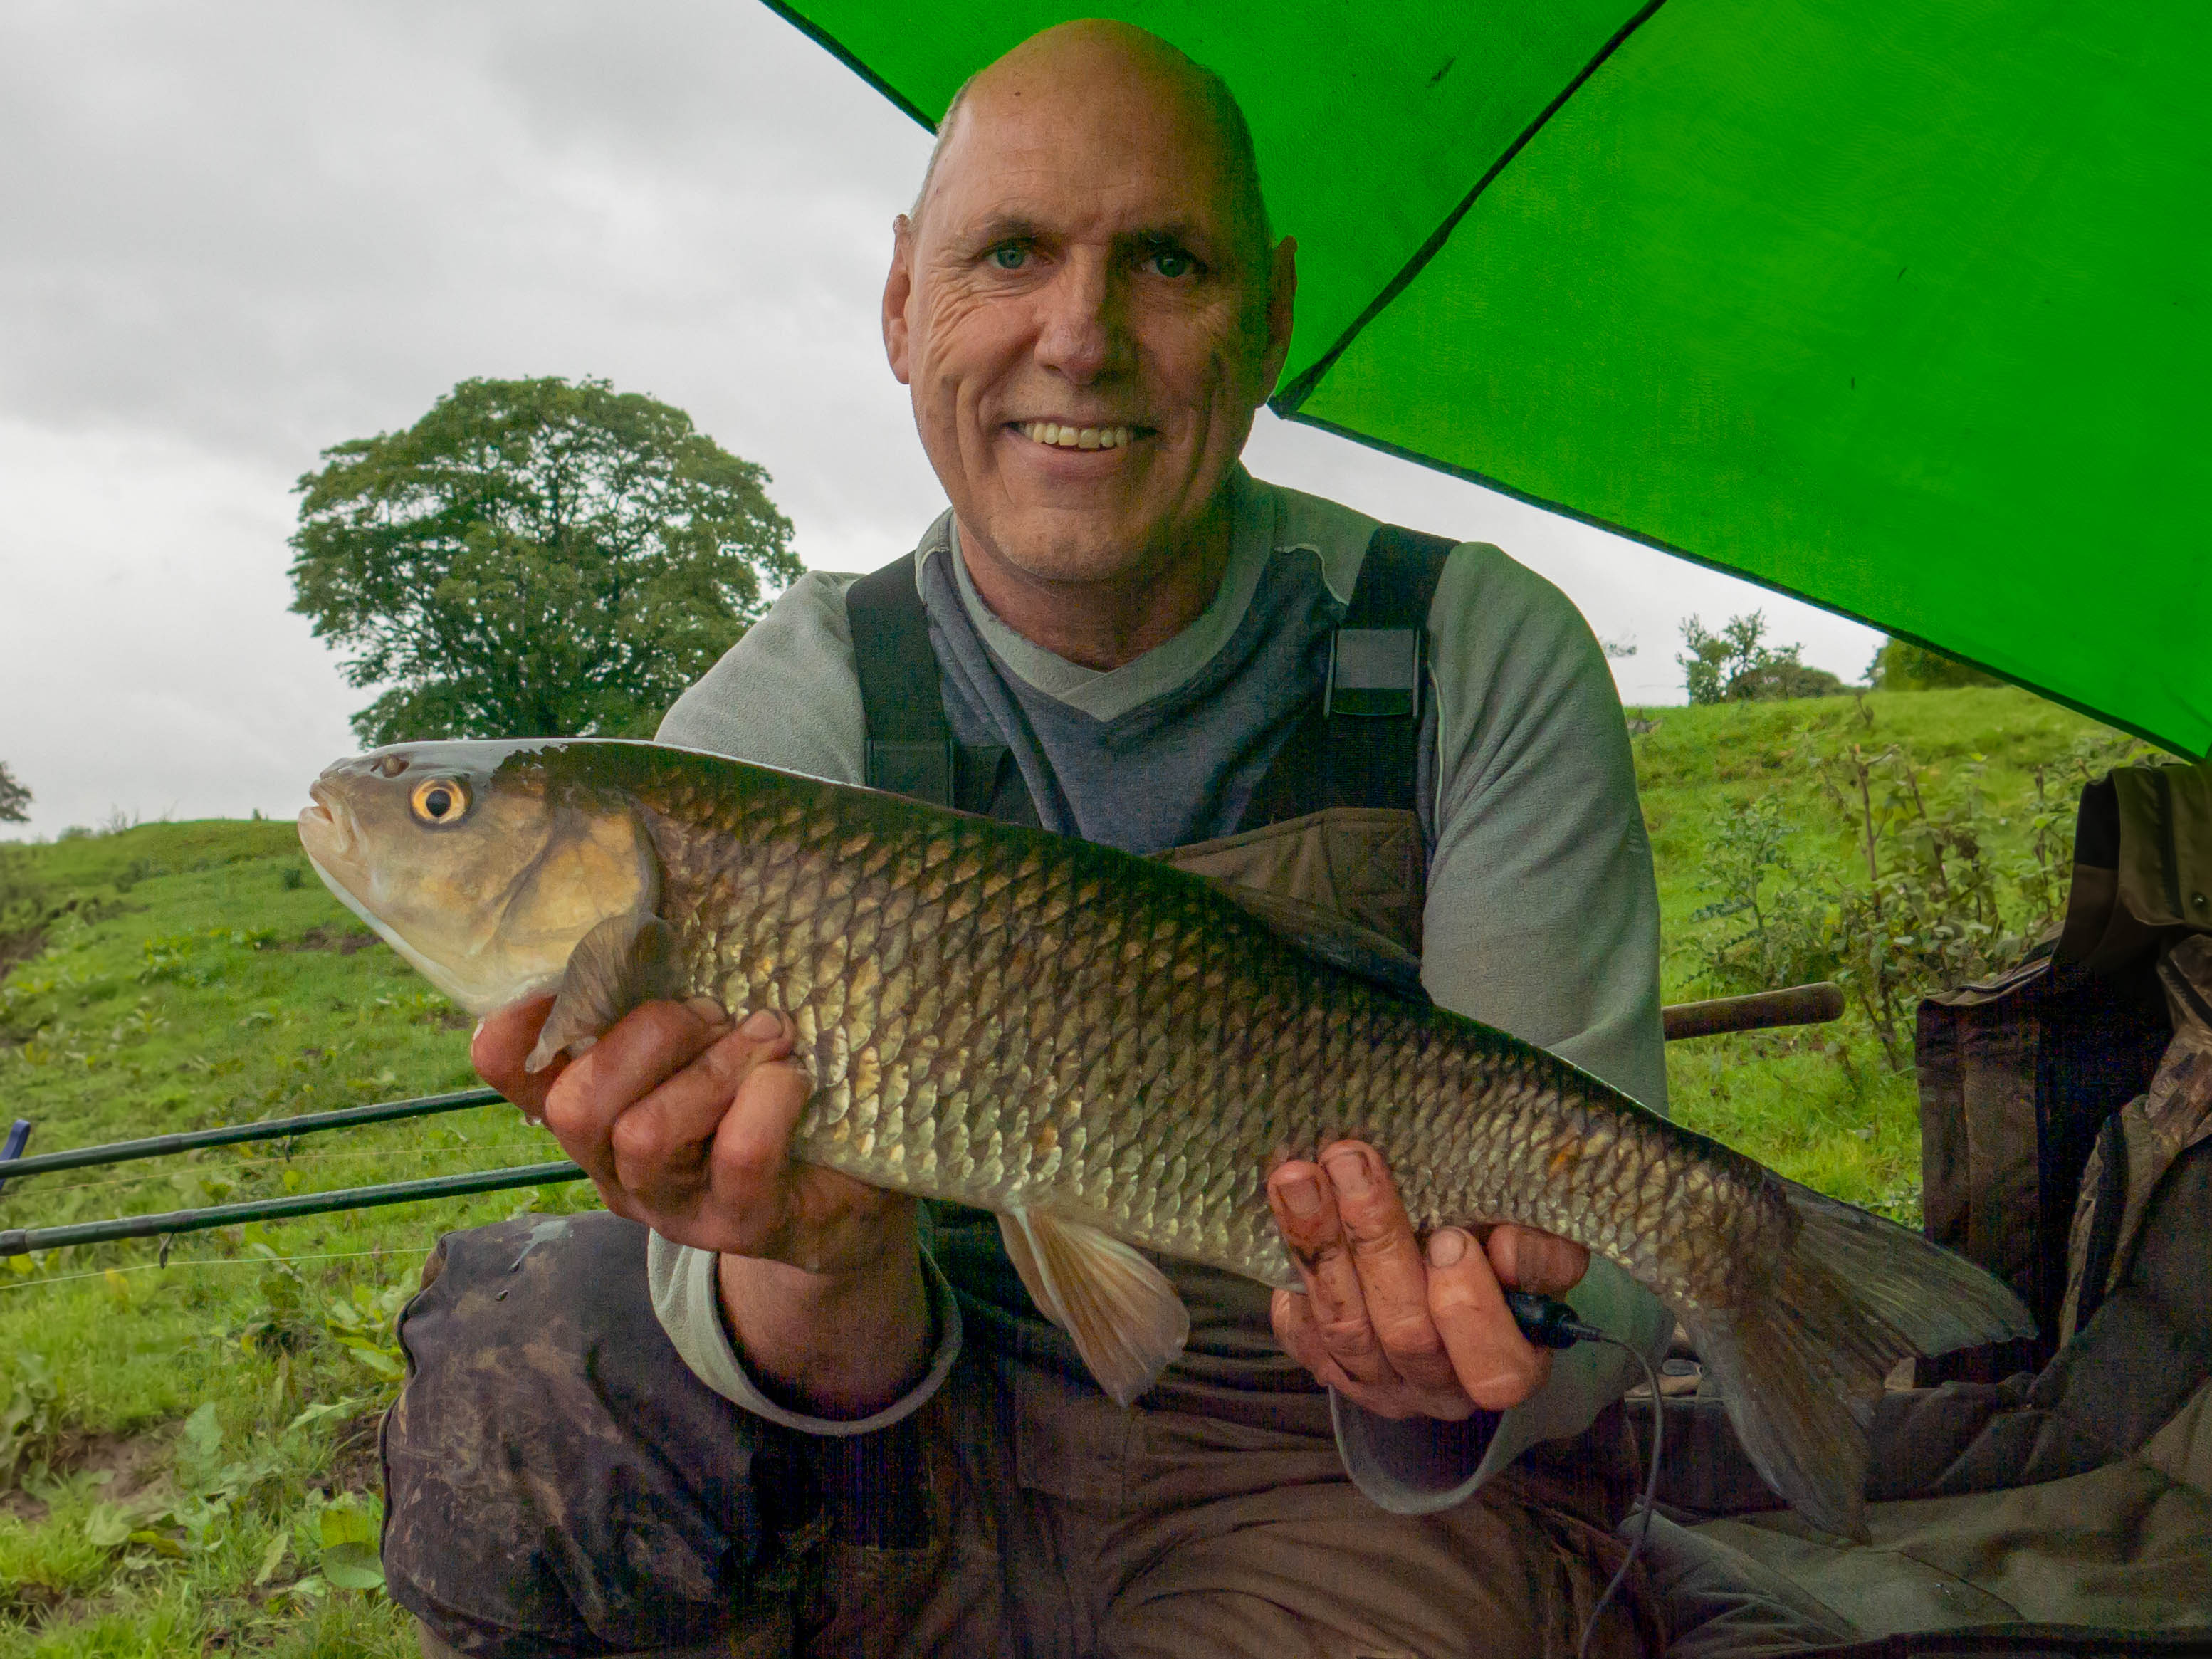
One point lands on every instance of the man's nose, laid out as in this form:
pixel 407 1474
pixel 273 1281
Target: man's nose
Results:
pixel 1083 333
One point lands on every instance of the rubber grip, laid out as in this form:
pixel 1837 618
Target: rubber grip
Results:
pixel 1544 1321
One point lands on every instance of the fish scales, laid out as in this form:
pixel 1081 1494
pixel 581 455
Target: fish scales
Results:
pixel 1027 1035
pixel 1080 1039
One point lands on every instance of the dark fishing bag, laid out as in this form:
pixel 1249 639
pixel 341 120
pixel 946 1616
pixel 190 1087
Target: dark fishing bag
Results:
pixel 2066 1110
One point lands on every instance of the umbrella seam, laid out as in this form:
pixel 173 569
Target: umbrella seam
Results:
pixel 1285 403
pixel 837 49
pixel 1470 476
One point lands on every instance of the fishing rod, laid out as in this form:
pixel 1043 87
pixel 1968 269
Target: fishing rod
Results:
pixel 123 1151
pixel 25 1241
pixel 1761 1011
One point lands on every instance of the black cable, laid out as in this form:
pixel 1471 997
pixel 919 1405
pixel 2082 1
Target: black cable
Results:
pixel 1550 1323
pixel 1591 1333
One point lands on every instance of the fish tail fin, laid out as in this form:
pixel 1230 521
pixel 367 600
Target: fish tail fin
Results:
pixel 1801 1366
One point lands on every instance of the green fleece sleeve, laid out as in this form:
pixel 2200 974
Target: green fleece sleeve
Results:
pixel 1543 920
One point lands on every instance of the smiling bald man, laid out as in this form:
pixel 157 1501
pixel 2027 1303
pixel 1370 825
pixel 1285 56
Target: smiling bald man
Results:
pixel 762 1409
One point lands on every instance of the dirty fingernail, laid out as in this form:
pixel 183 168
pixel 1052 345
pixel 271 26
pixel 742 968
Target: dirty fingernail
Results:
pixel 762 1024
pixel 1302 1195
pixel 708 1010
pixel 1350 1172
pixel 1448 1248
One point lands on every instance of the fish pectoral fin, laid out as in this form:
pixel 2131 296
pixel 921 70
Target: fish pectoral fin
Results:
pixel 1126 1318
pixel 625 960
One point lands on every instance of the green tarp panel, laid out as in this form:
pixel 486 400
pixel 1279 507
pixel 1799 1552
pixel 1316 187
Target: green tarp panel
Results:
pixel 1900 306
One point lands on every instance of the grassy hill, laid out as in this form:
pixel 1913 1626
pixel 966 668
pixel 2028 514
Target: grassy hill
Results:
pixel 186 1448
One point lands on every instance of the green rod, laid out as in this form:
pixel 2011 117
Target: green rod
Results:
pixel 22 1241
pixel 122 1152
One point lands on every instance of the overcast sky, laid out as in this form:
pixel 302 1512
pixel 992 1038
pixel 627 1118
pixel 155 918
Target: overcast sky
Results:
pixel 233 234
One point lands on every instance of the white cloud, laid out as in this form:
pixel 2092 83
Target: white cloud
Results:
pixel 241 231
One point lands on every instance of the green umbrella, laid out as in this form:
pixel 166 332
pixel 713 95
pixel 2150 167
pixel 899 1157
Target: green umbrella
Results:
pixel 1897 306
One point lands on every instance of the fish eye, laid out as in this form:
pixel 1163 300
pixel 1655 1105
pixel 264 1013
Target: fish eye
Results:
pixel 440 800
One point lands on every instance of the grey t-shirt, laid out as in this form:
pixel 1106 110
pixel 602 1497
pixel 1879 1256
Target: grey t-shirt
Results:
pixel 1541 916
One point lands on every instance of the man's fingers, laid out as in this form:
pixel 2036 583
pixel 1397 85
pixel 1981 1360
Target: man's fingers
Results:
pixel 1292 1316
pixel 1530 1261
pixel 1393 1279
pixel 635 1057
pixel 503 1042
pixel 750 1157
pixel 660 1143
pixel 1496 1366
pixel 1305 1209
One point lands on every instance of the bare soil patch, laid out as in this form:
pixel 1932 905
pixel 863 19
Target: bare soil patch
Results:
pixel 133 1461
pixel 324 936
pixel 355 1464
pixel 19 947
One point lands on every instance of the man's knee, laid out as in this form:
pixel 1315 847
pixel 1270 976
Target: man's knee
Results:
pixel 557 1480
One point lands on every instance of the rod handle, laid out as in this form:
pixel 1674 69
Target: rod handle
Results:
pixel 1794 1004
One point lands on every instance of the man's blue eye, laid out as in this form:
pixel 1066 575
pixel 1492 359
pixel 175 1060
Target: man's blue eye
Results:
pixel 1170 264
pixel 1010 258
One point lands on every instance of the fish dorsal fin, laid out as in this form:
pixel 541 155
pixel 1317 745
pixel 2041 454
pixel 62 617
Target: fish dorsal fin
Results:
pixel 1328 938
pixel 1126 1319
pixel 625 960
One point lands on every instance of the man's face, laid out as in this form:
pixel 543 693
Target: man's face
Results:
pixel 1085 274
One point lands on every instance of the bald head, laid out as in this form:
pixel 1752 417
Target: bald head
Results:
pixel 1087 311
pixel 1099 59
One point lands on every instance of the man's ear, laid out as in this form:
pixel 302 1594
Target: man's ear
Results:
pixel 1282 305
pixel 898 288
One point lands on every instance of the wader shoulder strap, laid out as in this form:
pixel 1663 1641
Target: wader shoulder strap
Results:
pixel 1358 742
pixel 1357 745
pixel 910 746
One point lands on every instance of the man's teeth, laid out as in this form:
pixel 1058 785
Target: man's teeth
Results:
pixel 1076 437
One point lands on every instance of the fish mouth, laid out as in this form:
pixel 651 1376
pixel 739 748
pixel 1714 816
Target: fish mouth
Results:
pixel 326 829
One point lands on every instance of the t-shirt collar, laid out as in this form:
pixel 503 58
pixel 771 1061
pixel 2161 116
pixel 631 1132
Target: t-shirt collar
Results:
pixel 1105 693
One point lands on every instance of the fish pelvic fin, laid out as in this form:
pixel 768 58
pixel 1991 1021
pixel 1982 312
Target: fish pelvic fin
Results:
pixel 1126 1319
pixel 625 960
pixel 1801 1366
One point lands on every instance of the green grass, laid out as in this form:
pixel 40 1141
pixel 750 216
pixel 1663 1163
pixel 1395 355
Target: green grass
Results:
pixel 192 1444
pixel 205 977
pixel 1821 1104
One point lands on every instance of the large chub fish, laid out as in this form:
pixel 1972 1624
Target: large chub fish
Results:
pixel 1105 1052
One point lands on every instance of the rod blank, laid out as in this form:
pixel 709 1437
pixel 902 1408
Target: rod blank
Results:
pixel 22 1241
pixel 122 1152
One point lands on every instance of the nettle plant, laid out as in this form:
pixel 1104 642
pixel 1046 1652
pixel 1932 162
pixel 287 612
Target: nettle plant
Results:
pixel 1939 887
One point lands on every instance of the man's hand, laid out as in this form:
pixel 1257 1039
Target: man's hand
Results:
pixel 1399 1334
pixel 683 1120
pixel 684 1123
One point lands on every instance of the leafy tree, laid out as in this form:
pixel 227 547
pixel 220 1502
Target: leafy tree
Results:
pixel 14 798
pixel 1901 665
pixel 534 558
pixel 1736 666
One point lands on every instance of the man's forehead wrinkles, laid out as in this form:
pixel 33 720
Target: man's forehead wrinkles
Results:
pixel 1125 209
pixel 996 227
